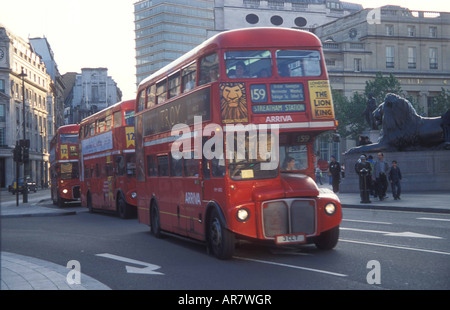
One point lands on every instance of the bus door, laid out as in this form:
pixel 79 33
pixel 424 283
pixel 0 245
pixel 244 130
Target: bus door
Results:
pixel 213 183
pixel 192 200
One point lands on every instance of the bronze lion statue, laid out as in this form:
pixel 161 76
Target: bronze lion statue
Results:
pixel 403 129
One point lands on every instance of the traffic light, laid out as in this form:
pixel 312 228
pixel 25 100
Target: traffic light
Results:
pixel 26 155
pixel 18 154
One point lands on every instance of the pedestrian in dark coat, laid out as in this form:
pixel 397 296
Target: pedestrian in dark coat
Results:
pixel 395 176
pixel 364 170
pixel 335 170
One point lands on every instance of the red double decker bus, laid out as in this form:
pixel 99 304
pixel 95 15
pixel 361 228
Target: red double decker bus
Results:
pixel 107 161
pixel 224 142
pixel 64 171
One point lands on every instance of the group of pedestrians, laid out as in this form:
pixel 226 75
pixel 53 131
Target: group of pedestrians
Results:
pixel 374 178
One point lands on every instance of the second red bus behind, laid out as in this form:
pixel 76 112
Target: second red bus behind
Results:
pixel 107 161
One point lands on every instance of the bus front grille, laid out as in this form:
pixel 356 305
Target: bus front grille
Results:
pixel 289 216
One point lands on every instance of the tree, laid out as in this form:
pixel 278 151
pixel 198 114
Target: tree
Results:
pixel 351 123
pixel 381 86
pixel 441 103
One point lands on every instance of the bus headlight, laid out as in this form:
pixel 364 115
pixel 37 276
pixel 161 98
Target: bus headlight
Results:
pixel 330 208
pixel 133 195
pixel 65 191
pixel 242 214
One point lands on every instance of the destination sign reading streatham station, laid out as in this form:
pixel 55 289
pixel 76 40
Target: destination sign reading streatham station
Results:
pixel 278 108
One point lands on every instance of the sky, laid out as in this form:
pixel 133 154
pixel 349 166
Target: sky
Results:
pixel 100 33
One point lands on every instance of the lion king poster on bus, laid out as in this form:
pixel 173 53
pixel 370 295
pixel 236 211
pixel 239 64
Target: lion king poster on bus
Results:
pixel 233 103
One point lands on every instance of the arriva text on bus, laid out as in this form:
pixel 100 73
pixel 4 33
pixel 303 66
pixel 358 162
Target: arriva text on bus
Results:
pixel 252 142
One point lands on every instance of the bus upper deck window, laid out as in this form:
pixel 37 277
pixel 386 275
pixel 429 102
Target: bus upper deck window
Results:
pixel 209 69
pixel 248 64
pixel 296 63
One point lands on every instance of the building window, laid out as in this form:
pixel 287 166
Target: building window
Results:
pixel 433 32
pixel 300 22
pixel 411 31
pixel 433 58
pixel 252 19
pixel 411 57
pixel 2 113
pixel 2 86
pixel 276 20
pixel 389 30
pixel 389 57
pixel 357 64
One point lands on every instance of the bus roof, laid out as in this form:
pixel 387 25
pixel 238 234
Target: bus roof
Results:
pixel 112 107
pixel 69 128
pixel 241 38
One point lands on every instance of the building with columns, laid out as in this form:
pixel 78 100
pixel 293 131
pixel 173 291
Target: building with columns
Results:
pixel 412 45
pixel 88 92
pixel 16 57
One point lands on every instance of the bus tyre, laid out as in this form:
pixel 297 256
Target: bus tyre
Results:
pixel 60 201
pixel 89 203
pixel 327 239
pixel 155 226
pixel 220 241
pixel 122 208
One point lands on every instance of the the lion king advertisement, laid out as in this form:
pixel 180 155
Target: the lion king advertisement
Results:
pixel 233 103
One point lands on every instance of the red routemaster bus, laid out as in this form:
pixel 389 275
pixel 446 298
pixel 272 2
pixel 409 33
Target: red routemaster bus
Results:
pixel 64 172
pixel 107 161
pixel 199 173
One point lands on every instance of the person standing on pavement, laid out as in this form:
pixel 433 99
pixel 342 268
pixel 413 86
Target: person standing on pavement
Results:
pixel 380 172
pixel 319 176
pixel 335 170
pixel 363 169
pixel 395 176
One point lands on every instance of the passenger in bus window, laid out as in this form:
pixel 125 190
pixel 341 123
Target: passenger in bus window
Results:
pixel 240 72
pixel 213 75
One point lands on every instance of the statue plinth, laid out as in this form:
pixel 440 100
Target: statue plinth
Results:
pixel 421 170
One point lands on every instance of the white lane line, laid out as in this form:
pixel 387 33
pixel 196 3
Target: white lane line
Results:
pixel 433 219
pixel 368 222
pixel 291 266
pixel 393 234
pixel 395 247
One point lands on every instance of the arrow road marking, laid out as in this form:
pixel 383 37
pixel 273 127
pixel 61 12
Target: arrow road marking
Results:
pixel 148 269
pixel 393 234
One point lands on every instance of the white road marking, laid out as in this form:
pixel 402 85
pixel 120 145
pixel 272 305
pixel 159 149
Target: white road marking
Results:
pixel 291 266
pixel 395 246
pixel 369 222
pixel 148 269
pixel 393 234
pixel 433 219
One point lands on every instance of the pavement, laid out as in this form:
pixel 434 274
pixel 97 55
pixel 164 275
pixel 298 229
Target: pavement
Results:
pixel 27 273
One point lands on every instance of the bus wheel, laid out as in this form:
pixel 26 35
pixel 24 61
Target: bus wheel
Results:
pixel 89 203
pixel 155 226
pixel 60 201
pixel 328 239
pixel 220 241
pixel 122 208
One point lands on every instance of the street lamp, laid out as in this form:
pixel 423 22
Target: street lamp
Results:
pixel 25 187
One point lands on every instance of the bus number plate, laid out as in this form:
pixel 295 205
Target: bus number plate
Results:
pixel 293 238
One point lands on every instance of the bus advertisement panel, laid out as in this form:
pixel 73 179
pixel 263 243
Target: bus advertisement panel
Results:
pixel 107 161
pixel 224 142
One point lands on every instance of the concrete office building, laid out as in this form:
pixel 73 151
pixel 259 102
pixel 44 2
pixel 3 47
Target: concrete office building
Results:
pixel 167 29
